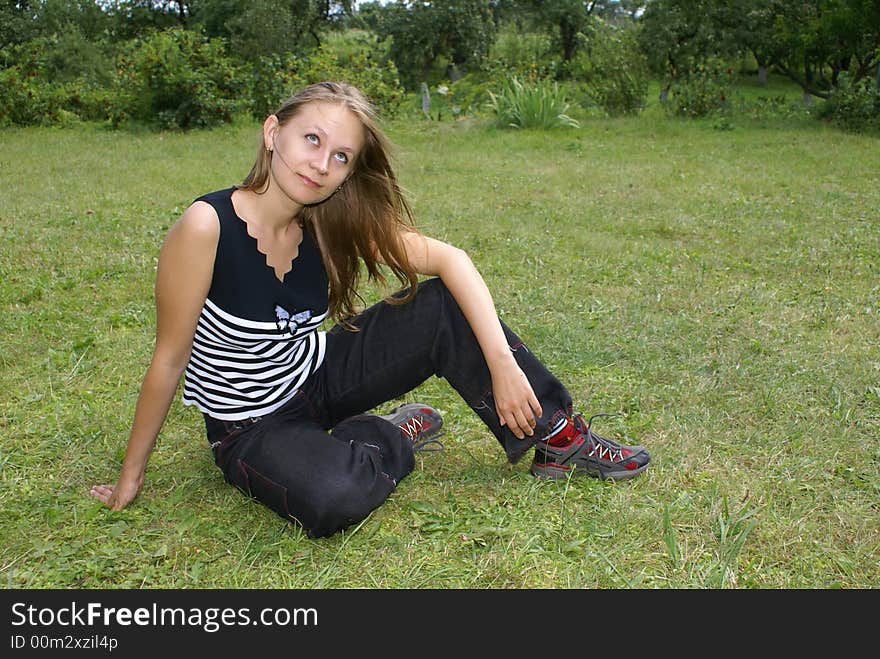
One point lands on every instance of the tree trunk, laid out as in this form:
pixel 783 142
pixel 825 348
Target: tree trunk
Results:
pixel 315 36
pixel 426 101
pixel 837 68
pixel 762 75
pixel 808 79
pixel 806 85
pixel 568 35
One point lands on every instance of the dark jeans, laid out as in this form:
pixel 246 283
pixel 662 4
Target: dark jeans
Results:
pixel 328 481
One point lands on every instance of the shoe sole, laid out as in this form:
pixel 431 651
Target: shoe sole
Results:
pixel 555 472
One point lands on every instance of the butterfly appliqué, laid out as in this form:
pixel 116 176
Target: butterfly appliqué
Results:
pixel 287 323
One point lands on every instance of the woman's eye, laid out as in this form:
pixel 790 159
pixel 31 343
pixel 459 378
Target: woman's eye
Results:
pixel 312 138
pixel 341 157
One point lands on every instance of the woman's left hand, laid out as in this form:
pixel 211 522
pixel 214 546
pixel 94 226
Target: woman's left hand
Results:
pixel 515 400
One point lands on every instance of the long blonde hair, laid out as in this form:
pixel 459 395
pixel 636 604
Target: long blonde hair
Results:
pixel 362 220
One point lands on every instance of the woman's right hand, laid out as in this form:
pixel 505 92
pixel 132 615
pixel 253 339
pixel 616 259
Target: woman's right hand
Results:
pixel 183 279
pixel 117 497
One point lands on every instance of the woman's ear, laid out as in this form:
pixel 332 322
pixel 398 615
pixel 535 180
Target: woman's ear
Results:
pixel 270 127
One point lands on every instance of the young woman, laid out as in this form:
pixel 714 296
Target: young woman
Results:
pixel 248 274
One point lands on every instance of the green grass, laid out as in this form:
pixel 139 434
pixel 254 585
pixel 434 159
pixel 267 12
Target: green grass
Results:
pixel 718 287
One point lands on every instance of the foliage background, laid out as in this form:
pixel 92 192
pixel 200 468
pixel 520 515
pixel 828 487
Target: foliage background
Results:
pixel 198 63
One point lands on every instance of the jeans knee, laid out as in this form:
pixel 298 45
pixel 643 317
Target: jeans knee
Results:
pixel 437 297
pixel 350 497
pixel 340 510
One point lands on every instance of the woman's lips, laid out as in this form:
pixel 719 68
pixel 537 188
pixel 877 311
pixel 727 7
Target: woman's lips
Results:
pixel 309 182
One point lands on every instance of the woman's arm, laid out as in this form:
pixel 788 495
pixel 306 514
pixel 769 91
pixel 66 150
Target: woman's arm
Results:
pixel 515 401
pixel 183 278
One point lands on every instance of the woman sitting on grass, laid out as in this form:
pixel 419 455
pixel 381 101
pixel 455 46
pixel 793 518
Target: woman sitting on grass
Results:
pixel 248 274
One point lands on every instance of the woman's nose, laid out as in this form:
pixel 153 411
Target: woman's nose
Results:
pixel 321 162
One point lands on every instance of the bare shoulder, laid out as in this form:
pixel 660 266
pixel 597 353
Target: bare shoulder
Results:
pixel 200 218
pixel 198 225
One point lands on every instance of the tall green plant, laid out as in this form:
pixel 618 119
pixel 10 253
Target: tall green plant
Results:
pixel 732 530
pixel 538 104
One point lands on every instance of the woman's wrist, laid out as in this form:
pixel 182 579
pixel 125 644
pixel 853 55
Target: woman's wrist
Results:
pixel 132 472
pixel 500 359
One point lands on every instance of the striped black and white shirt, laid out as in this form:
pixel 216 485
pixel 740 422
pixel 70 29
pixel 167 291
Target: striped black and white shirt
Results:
pixel 257 338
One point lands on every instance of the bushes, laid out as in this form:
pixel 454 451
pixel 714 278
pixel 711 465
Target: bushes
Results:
pixel 175 79
pixel 854 106
pixel 613 69
pixel 523 53
pixel 178 79
pixel 272 81
pixel 377 79
pixel 181 79
pixel 39 88
pixel 467 96
pixel 700 92
pixel 27 101
pixel 275 78
pixel 22 102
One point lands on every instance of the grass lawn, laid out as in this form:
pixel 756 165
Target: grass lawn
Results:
pixel 719 288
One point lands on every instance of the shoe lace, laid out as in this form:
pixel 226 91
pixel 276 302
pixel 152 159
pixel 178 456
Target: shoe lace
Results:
pixel 413 428
pixel 603 447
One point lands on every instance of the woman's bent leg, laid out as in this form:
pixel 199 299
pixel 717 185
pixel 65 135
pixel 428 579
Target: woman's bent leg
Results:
pixel 325 482
pixel 398 347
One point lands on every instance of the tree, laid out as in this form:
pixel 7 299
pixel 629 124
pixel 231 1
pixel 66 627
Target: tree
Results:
pixel 810 41
pixel 134 18
pixel 757 35
pixel 23 21
pixel 422 33
pixel 679 35
pixel 565 19
pixel 568 20
pixel 269 27
pixel 16 22
pixel 820 39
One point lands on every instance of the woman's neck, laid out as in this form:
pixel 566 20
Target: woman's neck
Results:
pixel 270 211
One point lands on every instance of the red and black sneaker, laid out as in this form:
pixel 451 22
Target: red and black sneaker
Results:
pixel 421 423
pixel 581 451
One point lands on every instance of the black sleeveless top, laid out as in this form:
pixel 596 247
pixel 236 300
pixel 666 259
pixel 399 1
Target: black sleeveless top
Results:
pixel 257 338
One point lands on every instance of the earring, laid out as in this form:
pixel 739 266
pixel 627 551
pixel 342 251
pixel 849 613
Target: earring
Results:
pixel 268 149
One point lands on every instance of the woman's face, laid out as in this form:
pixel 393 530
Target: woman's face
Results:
pixel 315 151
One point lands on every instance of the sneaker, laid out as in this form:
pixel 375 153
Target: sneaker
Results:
pixel 421 423
pixel 590 454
